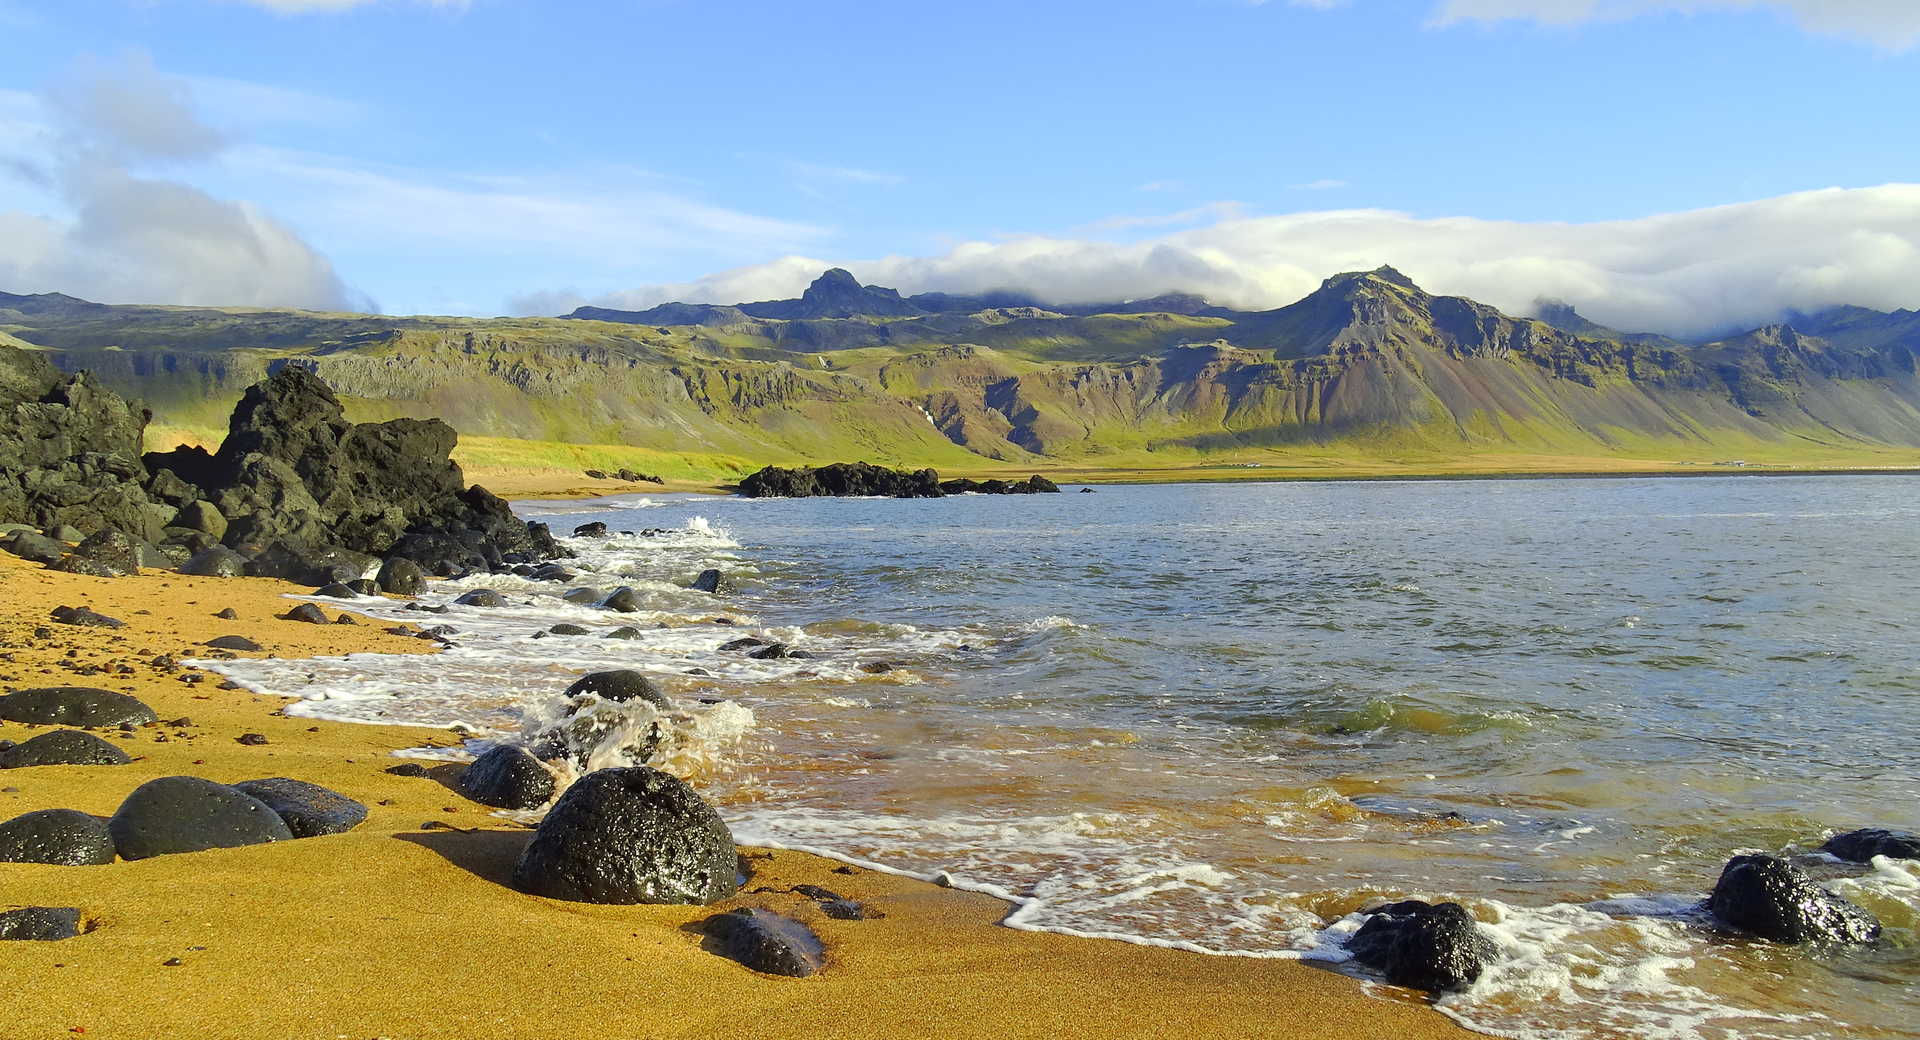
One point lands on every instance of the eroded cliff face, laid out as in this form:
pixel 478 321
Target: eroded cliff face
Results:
pixel 1369 356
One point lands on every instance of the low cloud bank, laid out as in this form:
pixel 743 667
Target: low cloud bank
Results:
pixel 1686 274
pixel 132 235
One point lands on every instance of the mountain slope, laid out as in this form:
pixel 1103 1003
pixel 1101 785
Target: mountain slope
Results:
pixel 1369 365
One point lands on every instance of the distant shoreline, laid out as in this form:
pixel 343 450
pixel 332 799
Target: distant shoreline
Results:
pixel 546 487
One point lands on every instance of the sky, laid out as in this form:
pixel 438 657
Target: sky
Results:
pixel 1682 166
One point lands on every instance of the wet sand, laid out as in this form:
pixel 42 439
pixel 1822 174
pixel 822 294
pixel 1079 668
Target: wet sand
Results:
pixel 405 928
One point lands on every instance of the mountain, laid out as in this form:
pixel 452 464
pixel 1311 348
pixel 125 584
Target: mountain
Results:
pixel 1368 366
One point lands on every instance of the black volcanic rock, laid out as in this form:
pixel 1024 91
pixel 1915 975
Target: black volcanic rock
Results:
pixel 1424 946
pixel 767 942
pixel 631 835
pixel 217 562
pixel 841 479
pixel 507 777
pixel 619 685
pixel 187 814
pixel 308 810
pixel 40 923
pixel 70 452
pixel 81 706
pixel 63 747
pixel 294 470
pixel 1862 845
pixel 62 837
pixel 1767 897
pixel 400 576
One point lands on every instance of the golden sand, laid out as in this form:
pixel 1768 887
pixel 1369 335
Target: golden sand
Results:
pixel 405 928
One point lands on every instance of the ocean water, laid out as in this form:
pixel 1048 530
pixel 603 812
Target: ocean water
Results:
pixel 1227 718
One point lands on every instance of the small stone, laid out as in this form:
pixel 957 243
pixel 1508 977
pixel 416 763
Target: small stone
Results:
pixel 232 643
pixel 482 598
pixel 619 685
pixel 187 814
pixel 623 632
pixel 251 739
pixel 876 667
pixel 85 617
pixel 564 629
pixel 308 613
pixel 767 942
pixel 228 614
pixel 408 769
pixel 308 810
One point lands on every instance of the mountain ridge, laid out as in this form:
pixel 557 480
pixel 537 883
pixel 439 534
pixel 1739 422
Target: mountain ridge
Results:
pixel 1369 364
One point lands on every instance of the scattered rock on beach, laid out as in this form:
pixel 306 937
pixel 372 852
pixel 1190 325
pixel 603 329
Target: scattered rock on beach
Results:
pixel 232 643
pixel 411 769
pixel 565 629
pixel 85 617
pixel 217 562
pixel 711 580
pixel 40 923
pixel 63 747
pixel 63 837
pixel 619 685
pixel 482 598
pixel 623 632
pixel 29 545
pixel 308 613
pixel 336 590
pixel 87 566
pixel 1425 946
pixel 308 810
pixel 112 548
pixel 1767 897
pixel 629 835
pixel 767 942
pixel 596 529
pixel 773 652
pixel 1862 845
pixel 400 576
pixel 742 643
pixel 507 777
pixel 187 814
pixel 251 739
pixel 81 706
pixel 582 597
pixel 623 600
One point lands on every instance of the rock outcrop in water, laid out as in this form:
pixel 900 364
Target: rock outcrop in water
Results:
pixel 1862 845
pixel 1767 897
pixel 1421 945
pixel 865 480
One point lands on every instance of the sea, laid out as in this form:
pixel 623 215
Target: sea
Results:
pixel 1228 717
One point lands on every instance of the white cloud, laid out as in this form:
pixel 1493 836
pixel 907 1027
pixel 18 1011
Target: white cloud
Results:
pixel 843 174
pixel 1686 273
pixel 123 236
pixel 613 213
pixel 1889 24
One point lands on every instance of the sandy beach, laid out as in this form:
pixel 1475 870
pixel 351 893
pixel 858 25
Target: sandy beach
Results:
pixel 405 927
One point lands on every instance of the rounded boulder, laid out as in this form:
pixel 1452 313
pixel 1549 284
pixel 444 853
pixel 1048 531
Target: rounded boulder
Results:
pixel 620 684
pixel 630 835
pixel 507 777
pixel 63 747
pixel 63 837
pixel 187 814
pixel 81 706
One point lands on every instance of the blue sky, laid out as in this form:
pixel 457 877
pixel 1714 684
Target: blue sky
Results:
pixel 504 155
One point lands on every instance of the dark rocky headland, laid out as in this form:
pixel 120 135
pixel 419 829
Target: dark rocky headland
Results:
pixel 295 491
pixel 861 479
